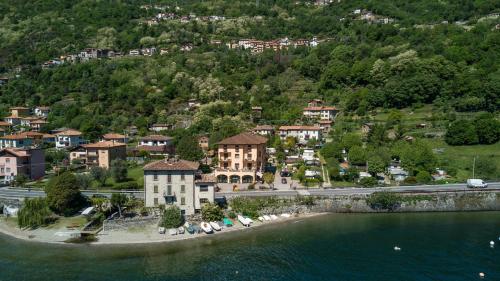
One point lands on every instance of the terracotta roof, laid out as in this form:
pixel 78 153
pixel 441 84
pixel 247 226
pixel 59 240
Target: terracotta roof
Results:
pixel 18 107
pixel 43 107
pixel 47 136
pixel 30 118
pixel 156 138
pixel 172 165
pixel 160 125
pixel 39 122
pixel 30 134
pixel 3 124
pixel 263 127
pixel 14 117
pixel 16 152
pixel 244 138
pixel 104 144
pixel 208 178
pixel 70 133
pixel 14 137
pixel 299 128
pixel 318 108
pixel 113 136
pixel 325 121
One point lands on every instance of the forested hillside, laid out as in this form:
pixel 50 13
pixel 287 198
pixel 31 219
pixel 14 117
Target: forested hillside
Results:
pixel 444 53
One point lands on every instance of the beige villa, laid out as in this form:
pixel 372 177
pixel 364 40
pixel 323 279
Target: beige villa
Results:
pixel 173 181
pixel 241 158
pixel 99 154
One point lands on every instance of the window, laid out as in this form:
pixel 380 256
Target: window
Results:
pixel 203 188
pixel 8 170
pixel 183 201
pixel 155 201
pixel 183 189
pixel 155 176
pixel 204 200
pixel 7 160
pixel 183 177
pixel 237 156
pixel 169 178
pixel 237 166
pixel 249 147
pixel 169 190
pixel 155 189
pixel 237 148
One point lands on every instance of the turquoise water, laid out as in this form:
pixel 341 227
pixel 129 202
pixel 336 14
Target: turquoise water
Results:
pixel 435 246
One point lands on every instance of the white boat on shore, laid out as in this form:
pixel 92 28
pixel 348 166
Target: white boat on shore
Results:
pixel 267 218
pixel 274 217
pixel 244 221
pixel 180 230
pixel 285 215
pixel 205 226
pixel 215 226
pixel 261 218
pixel 172 231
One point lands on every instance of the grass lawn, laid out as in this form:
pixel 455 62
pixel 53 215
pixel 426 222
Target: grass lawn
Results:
pixel 134 174
pixel 462 157
pixel 76 221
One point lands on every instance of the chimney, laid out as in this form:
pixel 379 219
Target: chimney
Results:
pixel 167 157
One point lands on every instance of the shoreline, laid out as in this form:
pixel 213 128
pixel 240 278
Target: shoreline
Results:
pixel 16 233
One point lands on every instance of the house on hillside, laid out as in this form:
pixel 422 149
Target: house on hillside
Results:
pixel 42 111
pixel 321 112
pixel 15 141
pixel 29 162
pixel 156 145
pixel 69 138
pixel 115 137
pixel 263 130
pixel 99 154
pixel 302 133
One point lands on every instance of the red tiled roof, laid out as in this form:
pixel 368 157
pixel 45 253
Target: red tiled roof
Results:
pixel 70 133
pixel 172 165
pixel 113 136
pixel 263 128
pixel 319 108
pixel 5 124
pixel 150 148
pixel 299 128
pixel 14 137
pixel 104 144
pixel 30 134
pixel 244 138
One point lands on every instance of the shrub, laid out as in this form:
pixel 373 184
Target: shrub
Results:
pixel 126 185
pixel 63 195
pixel 172 217
pixel 231 214
pixel 410 180
pixel 368 182
pixel 384 200
pixel 423 177
pixel 211 212
pixel 34 213
pixel 119 170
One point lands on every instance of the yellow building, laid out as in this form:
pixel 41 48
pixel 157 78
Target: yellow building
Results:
pixel 241 158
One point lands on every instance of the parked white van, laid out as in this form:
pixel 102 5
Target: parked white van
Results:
pixel 476 183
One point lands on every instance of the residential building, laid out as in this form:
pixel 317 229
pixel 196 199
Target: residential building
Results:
pixel 325 125
pixel 302 133
pixel 37 125
pixel 321 112
pixel 241 158
pixel 15 161
pixel 42 111
pixel 19 111
pixel 115 137
pixel 99 154
pixel 160 127
pixel 203 143
pixel 256 112
pixel 264 130
pixel 2 132
pixel 15 141
pixel 13 120
pixel 177 182
pixel 6 126
pixel 68 139
pixel 315 103
pixel 156 145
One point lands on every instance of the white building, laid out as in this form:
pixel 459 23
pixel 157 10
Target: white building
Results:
pixel 177 182
pixel 301 133
pixel 156 140
pixel 42 111
pixel 69 139
pixel 264 130
pixel 321 112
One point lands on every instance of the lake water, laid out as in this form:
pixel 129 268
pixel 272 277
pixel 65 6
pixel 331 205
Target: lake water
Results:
pixel 435 246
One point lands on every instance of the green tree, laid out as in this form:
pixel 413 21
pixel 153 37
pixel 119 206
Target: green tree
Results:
pixel 118 200
pixel 423 177
pixel 34 213
pixel 63 195
pixel 99 174
pixel 187 148
pixel 84 181
pixel 21 180
pixel 211 212
pixel 486 168
pixel 487 129
pixel 172 217
pixel 384 200
pixel 119 170
pixel 357 155
pixel 268 178
pixel 461 132
pixel 368 182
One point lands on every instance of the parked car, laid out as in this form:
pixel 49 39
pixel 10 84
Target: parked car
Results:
pixel 283 180
pixel 476 183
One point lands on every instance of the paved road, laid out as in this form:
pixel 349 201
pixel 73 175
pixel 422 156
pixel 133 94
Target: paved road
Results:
pixel 15 193
pixel 355 190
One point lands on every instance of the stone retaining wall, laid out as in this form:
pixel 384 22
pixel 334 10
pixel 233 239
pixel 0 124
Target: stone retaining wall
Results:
pixel 428 202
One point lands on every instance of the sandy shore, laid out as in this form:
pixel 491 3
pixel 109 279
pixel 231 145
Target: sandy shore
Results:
pixel 144 235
